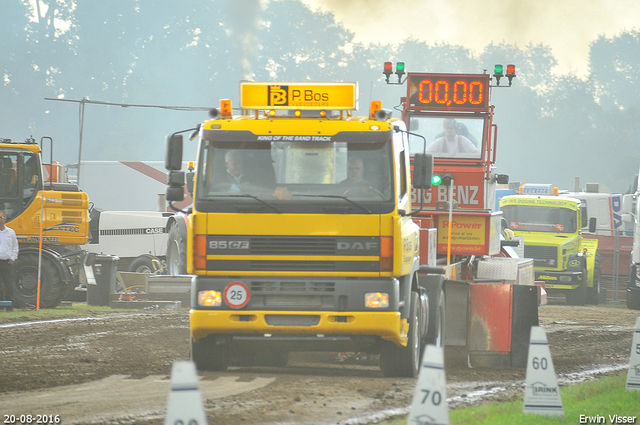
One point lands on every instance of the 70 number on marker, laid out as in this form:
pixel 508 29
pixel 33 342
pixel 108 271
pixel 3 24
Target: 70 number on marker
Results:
pixel 236 295
pixel 436 397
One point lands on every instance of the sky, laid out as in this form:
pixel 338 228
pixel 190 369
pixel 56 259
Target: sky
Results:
pixel 568 27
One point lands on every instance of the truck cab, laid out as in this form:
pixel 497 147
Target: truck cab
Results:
pixel 301 236
pixel 552 229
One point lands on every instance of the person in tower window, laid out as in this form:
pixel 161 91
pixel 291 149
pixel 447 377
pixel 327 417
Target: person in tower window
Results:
pixel 452 144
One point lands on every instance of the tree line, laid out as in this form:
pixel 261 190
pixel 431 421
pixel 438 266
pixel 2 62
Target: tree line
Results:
pixel 552 127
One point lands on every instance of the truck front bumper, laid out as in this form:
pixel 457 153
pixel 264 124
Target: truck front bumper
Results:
pixel 560 280
pixel 313 326
pixel 304 308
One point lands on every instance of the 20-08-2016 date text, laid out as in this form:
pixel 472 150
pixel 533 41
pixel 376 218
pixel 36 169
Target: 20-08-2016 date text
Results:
pixel 31 419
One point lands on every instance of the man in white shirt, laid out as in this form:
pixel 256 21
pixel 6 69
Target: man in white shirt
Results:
pixel 452 144
pixel 8 255
pixel 233 178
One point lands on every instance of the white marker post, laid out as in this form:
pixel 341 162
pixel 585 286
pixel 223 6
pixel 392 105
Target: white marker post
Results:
pixel 185 402
pixel 633 377
pixel 430 406
pixel 542 394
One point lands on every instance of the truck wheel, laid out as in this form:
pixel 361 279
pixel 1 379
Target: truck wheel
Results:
pixel 404 361
pixel 176 252
pixel 436 322
pixel 593 293
pixel 633 299
pixel 142 264
pixel 25 288
pixel 207 354
pixel 578 296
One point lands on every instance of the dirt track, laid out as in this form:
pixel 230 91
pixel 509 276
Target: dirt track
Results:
pixel 114 368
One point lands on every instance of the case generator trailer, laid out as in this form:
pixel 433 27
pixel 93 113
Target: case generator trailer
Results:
pixel 39 208
pixel 491 300
pixel 301 236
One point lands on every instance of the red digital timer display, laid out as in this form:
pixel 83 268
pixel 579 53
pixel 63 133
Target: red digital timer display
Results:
pixel 448 92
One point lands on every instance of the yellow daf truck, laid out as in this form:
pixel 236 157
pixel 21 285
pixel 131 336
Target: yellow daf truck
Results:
pixel 552 229
pixel 301 235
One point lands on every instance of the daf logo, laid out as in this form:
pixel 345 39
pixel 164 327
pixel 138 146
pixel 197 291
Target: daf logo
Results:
pixel 574 263
pixel 357 246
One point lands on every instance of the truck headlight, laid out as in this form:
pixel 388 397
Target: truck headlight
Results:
pixel 210 298
pixel 376 300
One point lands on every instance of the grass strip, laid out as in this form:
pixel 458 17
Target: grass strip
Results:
pixel 602 401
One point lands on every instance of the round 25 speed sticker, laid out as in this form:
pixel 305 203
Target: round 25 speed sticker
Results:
pixel 236 295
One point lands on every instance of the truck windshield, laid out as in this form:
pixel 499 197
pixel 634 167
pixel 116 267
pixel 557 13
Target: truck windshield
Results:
pixel 447 137
pixel 283 176
pixel 541 219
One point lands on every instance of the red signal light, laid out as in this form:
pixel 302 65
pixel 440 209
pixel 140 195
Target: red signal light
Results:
pixel 511 72
pixel 388 69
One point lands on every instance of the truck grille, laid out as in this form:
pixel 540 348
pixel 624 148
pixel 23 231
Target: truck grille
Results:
pixel 292 293
pixel 72 216
pixel 302 253
pixel 74 199
pixel 287 286
pixel 294 266
pixel 292 301
pixel 543 256
pixel 283 245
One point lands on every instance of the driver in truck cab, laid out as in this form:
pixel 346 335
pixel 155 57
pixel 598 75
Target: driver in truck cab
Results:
pixel 233 178
pixel 355 174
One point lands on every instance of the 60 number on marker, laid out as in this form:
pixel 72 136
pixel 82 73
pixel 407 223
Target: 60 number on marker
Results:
pixel 236 295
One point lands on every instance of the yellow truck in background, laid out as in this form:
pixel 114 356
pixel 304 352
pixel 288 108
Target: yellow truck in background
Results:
pixel 551 225
pixel 40 207
pixel 301 235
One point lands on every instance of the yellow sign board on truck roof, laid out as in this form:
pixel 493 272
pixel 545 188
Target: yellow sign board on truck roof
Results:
pixel 299 95
pixel 540 201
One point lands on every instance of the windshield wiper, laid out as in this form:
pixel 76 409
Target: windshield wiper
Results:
pixel 336 196
pixel 246 195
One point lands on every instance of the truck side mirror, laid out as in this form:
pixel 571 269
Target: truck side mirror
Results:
pixel 502 179
pixel 175 191
pixel 173 152
pixel 592 225
pixel 190 177
pixel 627 204
pixel 422 170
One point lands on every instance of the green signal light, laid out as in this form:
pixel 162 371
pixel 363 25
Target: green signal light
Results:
pixel 498 70
pixel 436 180
pixel 400 67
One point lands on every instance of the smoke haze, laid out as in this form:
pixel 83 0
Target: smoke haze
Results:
pixel 244 27
pixel 568 27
